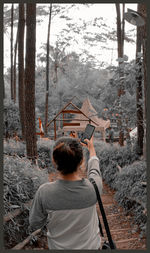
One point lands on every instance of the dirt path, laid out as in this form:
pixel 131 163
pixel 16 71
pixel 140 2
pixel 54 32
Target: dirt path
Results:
pixel 124 232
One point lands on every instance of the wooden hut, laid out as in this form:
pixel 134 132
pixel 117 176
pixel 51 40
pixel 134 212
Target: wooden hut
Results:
pixel 82 116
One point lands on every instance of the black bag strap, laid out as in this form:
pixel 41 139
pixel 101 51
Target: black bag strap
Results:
pixel 100 227
pixel 103 214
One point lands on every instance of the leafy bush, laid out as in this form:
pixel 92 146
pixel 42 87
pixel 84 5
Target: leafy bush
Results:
pixel 100 145
pixel 11 116
pixel 21 180
pixel 13 147
pixel 110 174
pixel 45 148
pixel 129 182
pixel 111 158
pixel 122 171
pixel 131 191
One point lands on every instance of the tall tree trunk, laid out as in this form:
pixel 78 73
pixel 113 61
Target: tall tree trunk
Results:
pixel 56 66
pixel 143 11
pixel 120 39
pixel 4 96
pixel 119 31
pixel 140 127
pixel 47 70
pixel 11 52
pixel 123 28
pixel 31 145
pixel 21 89
pixel 15 55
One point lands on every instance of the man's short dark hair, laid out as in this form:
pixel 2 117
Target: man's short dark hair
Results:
pixel 67 154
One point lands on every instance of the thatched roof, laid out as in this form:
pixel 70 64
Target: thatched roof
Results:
pixel 77 110
pixel 91 113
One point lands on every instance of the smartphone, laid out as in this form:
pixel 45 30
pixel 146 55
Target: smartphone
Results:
pixel 87 134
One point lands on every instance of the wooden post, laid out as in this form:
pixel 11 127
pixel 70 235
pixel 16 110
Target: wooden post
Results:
pixel 54 129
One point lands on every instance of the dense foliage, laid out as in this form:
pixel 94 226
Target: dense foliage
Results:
pixel 18 149
pixel 14 148
pixel 132 192
pixel 21 180
pixel 45 154
pixel 76 78
pixel 125 105
pixel 123 171
pixel 112 158
pixel 11 122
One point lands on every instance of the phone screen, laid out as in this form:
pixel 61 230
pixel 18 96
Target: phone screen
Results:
pixel 89 130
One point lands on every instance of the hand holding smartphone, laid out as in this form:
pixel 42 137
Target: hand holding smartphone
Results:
pixel 89 130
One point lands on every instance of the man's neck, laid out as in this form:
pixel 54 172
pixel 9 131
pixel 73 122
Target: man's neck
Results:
pixel 70 177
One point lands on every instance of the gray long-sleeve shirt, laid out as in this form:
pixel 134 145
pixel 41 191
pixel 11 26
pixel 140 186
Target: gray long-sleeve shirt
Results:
pixel 69 207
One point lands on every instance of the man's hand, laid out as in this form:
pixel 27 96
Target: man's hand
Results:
pixel 90 146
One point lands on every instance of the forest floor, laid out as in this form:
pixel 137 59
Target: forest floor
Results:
pixel 124 232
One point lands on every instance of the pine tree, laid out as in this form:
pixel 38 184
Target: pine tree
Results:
pixel 47 70
pixel 21 89
pixel 31 145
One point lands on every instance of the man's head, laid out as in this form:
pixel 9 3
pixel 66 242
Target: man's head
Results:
pixel 67 155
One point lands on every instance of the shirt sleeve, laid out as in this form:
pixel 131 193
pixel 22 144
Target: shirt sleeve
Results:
pixel 37 215
pixel 94 172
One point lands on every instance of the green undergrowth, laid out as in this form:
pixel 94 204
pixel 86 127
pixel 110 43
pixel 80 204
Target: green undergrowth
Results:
pixel 45 154
pixel 11 118
pixel 44 149
pixel 112 159
pixel 124 172
pixel 21 180
pixel 14 148
pixel 132 193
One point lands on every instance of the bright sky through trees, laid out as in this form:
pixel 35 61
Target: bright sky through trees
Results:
pixel 104 52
